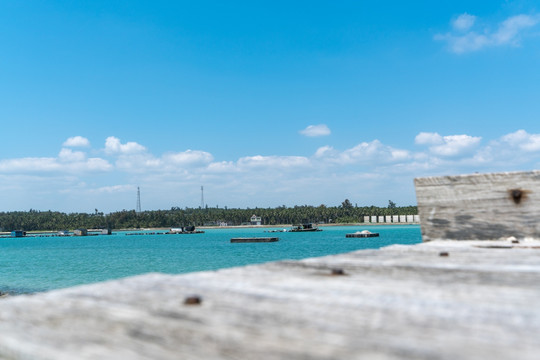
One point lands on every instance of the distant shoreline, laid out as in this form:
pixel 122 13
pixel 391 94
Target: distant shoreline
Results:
pixel 289 225
pixel 208 227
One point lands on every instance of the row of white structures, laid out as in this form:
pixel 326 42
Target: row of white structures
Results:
pixel 392 219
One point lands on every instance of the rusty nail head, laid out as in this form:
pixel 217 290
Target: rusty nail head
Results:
pixel 193 300
pixel 516 195
pixel 338 272
pixel 444 253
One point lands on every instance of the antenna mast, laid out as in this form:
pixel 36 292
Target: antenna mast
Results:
pixel 202 197
pixel 138 209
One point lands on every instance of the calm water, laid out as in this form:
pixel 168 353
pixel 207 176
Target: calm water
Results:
pixel 40 264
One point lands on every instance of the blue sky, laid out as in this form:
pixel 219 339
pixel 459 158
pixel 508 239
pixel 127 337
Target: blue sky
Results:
pixel 263 103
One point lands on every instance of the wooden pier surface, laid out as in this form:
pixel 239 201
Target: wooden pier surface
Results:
pixel 436 300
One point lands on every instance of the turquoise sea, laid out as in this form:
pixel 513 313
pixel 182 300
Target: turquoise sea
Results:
pixel 34 264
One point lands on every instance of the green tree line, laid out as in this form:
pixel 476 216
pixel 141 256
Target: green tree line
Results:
pixel 127 219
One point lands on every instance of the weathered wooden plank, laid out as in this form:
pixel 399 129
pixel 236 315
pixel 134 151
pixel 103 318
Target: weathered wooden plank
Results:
pixel 401 302
pixel 480 206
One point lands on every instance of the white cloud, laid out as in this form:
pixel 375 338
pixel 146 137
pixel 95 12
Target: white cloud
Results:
pixel 76 141
pixel 73 180
pixel 222 167
pixel 273 162
pixel 325 151
pixel 426 138
pixel 68 155
pixel 514 151
pixel 114 146
pixel 455 145
pixel 508 32
pixel 468 42
pixel 373 152
pixel 518 150
pixel 398 155
pixel 97 164
pixel 113 189
pixel 188 157
pixel 447 146
pixel 29 165
pixel 139 163
pixel 464 22
pixel 67 164
pixel 362 152
pixel 316 130
pixel 523 140
pixel 142 162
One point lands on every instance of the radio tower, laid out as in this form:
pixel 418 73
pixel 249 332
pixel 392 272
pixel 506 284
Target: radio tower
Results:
pixel 202 197
pixel 138 209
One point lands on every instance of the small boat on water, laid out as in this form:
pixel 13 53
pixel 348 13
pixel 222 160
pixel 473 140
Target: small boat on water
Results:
pixel 305 228
pixel 362 234
pixel 275 231
pixel 184 230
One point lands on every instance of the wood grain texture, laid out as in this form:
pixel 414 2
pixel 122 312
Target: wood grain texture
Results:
pixel 480 206
pixel 400 302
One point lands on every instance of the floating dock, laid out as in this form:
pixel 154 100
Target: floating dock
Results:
pixel 48 235
pixel 167 233
pixel 362 234
pixel 184 232
pixel 254 239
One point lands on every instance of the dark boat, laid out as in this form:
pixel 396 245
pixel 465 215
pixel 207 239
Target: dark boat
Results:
pixel 184 230
pixel 305 228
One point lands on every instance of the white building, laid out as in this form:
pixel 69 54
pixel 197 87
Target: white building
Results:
pixel 255 220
